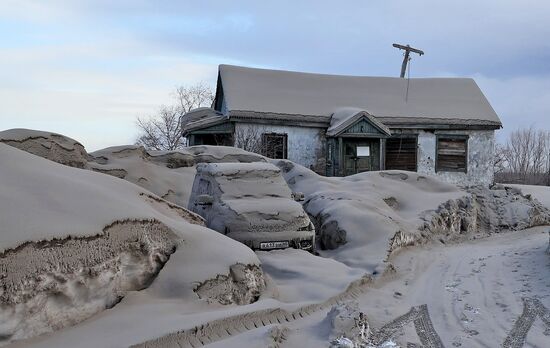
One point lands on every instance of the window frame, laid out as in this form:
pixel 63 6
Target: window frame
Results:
pixel 264 140
pixel 438 138
pixel 400 137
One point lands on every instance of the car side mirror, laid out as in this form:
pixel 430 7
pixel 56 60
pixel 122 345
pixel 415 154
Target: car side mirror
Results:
pixel 298 196
pixel 204 200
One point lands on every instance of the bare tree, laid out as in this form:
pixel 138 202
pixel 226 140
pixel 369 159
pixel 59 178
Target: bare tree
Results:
pixel 164 130
pixel 540 153
pixel 194 96
pixel 161 132
pixel 249 138
pixel 526 151
pixel 499 159
pixel 526 156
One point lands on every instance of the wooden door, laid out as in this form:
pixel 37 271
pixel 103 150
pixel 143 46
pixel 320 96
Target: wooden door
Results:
pixel 357 157
pixel 363 162
pixel 349 158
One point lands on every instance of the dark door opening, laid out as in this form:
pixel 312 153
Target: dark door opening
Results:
pixel 212 139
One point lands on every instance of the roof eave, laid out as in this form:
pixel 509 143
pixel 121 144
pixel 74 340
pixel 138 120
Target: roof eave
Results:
pixel 439 123
pixel 323 121
pixel 314 121
pixel 203 123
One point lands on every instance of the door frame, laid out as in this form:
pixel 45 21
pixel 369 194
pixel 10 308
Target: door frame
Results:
pixel 355 142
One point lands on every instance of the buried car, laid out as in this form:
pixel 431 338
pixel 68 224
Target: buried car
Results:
pixel 251 203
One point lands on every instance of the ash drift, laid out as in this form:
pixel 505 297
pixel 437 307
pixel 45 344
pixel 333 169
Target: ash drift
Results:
pixel 74 243
pixel 251 203
pixel 193 279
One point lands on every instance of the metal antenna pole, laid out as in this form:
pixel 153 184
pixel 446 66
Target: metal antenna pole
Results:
pixel 408 49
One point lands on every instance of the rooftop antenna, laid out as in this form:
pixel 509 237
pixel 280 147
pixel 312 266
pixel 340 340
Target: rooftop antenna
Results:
pixel 408 49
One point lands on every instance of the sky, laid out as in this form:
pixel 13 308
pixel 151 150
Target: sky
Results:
pixel 87 69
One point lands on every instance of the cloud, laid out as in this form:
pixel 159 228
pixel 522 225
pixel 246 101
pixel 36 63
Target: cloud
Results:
pixel 96 106
pixel 90 67
pixel 494 37
pixel 468 37
pixel 520 101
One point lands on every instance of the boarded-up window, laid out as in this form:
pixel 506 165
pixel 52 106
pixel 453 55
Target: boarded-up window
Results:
pixel 401 153
pixel 274 145
pixel 452 153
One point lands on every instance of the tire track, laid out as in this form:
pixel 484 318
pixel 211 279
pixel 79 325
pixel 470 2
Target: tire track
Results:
pixel 223 328
pixel 532 308
pixel 423 325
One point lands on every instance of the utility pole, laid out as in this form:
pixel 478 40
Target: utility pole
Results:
pixel 408 49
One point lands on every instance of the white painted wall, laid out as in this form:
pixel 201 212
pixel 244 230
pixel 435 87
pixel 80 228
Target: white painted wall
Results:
pixel 306 146
pixel 480 157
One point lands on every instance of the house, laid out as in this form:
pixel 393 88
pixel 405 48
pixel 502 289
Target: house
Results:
pixel 342 125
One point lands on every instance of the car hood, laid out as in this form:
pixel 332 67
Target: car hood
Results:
pixel 265 214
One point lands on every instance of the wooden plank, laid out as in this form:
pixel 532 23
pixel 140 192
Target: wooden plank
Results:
pixel 401 153
pixel 452 153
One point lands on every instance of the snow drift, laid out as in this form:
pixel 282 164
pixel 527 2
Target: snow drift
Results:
pixel 483 212
pixel 52 284
pixel 361 219
pixel 357 216
pixel 74 242
pixel 52 146
pixel 168 174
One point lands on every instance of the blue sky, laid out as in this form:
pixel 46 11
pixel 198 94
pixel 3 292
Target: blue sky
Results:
pixel 88 68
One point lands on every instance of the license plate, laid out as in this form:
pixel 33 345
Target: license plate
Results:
pixel 274 245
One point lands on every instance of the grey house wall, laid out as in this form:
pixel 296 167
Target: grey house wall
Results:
pixel 480 157
pixel 305 146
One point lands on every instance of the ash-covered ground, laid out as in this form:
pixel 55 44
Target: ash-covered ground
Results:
pixel 99 250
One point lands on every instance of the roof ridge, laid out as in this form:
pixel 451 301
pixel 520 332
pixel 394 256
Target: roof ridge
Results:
pixel 231 66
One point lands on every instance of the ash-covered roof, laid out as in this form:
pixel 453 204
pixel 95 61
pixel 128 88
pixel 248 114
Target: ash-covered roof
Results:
pixel 294 93
pixel 202 117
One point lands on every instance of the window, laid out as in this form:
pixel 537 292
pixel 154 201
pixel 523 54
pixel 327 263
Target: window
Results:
pixel 363 151
pixel 274 145
pixel 452 153
pixel 401 153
